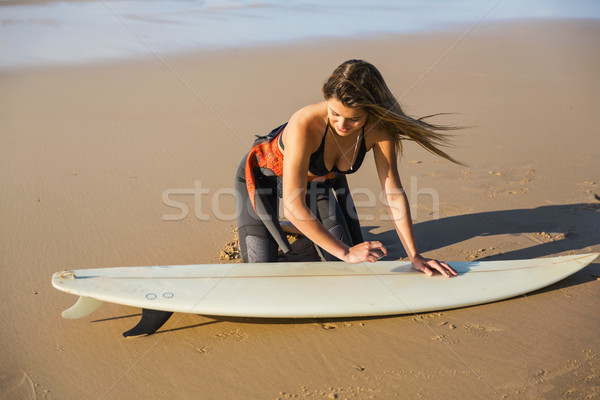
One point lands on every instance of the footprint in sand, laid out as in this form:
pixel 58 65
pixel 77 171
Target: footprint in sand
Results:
pixel 329 326
pixel 480 330
pixel 479 253
pixel 236 335
pixel 425 317
pixel 445 339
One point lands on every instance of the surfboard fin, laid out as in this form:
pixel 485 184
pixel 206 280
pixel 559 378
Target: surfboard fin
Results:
pixel 84 306
pixel 150 322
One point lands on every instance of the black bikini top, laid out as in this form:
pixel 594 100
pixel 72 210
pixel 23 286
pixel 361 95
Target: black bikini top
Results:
pixel 316 165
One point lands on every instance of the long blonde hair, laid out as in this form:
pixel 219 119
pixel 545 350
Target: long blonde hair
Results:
pixel 358 84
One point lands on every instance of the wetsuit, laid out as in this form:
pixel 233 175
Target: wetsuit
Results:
pixel 258 186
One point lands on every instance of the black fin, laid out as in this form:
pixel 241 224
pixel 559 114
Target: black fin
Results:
pixel 150 322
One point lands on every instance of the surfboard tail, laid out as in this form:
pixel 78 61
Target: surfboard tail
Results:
pixel 84 306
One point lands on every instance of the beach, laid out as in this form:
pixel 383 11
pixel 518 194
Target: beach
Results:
pixel 131 163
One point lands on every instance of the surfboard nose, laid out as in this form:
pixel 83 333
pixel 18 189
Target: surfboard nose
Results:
pixel 584 259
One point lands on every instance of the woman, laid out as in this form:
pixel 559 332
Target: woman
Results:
pixel 305 161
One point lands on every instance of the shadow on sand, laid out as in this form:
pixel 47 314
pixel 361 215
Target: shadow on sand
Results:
pixel 579 222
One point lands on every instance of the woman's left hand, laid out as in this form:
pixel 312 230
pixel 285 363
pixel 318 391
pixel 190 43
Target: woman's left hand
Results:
pixel 428 266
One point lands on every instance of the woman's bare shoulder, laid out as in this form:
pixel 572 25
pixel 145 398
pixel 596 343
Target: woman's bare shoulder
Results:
pixel 375 134
pixel 311 114
pixel 309 122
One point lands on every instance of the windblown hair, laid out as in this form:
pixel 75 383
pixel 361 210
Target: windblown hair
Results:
pixel 358 84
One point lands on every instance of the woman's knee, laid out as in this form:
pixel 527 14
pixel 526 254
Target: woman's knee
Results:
pixel 256 245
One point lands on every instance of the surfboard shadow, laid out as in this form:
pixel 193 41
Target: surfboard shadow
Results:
pixel 298 321
pixel 180 328
pixel 115 318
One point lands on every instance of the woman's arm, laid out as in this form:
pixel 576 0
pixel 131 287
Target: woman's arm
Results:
pixel 299 144
pixel 387 168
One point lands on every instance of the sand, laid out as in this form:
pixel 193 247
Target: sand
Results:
pixel 132 163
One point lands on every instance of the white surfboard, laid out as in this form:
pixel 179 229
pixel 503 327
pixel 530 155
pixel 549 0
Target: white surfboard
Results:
pixel 313 289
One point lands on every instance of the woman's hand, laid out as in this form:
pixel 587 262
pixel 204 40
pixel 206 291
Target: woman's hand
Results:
pixel 428 265
pixel 366 251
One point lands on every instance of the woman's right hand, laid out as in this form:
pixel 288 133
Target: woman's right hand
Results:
pixel 365 252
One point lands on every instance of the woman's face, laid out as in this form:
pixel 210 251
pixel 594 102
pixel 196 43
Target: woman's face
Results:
pixel 345 120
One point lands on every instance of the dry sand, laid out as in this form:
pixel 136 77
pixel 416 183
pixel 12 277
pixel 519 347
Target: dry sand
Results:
pixel 87 154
